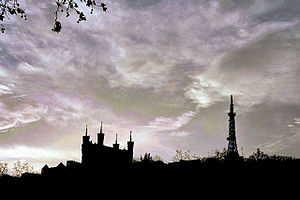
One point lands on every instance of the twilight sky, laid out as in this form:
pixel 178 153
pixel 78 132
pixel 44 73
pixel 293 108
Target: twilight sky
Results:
pixel 162 68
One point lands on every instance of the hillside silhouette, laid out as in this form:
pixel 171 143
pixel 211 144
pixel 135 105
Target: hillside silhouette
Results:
pixel 105 168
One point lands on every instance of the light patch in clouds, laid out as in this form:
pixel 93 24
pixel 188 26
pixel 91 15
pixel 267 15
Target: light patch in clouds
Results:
pixel 170 124
pixel 25 152
pixel 35 156
pixel 180 134
pixel 27 68
pixel 205 92
pixel 23 115
pixel 5 90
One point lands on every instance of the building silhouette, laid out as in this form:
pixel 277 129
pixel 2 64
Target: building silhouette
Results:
pixel 118 165
pixel 99 155
pixel 232 150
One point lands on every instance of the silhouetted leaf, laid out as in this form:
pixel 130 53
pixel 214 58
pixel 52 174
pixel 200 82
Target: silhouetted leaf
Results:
pixel 13 7
pixel 57 27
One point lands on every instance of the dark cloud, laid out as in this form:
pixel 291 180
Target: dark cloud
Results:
pixel 141 4
pixel 279 10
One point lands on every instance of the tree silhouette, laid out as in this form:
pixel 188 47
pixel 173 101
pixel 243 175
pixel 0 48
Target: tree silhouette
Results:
pixel 220 155
pixel 68 5
pixel 146 159
pixel 20 168
pixel 10 8
pixel 3 168
pixel 13 7
pixel 183 155
pixel 259 155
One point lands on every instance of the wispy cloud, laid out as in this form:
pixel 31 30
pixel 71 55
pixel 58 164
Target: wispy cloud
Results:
pixel 24 115
pixel 151 65
pixel 170 124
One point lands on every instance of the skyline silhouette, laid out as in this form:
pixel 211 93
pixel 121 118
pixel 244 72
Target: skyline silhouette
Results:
pixel 162 69
pixel 102 166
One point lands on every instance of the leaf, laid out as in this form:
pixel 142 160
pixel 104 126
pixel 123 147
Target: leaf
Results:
pixel 57 27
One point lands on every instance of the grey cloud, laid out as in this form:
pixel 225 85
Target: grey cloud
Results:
pixel 150 59
pixel 230 5
pixel 278 10
pixel 142 4
pixel 267 118
pixel 274 59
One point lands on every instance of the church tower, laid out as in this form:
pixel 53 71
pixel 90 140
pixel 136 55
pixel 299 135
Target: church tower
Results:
pixel 100 136
pixel 130 145
pixel 85 146
pixel 232 151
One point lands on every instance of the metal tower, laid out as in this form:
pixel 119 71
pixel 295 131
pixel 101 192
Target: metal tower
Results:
pixel 232 146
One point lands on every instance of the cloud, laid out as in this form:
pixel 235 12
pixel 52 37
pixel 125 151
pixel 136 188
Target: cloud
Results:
pixel 179 134
pixel 34 156
pixel 170 124
pixel 163 68
pixel 283 142
pixel 25 152
pixel 28 69
pixel 142 4
pixel 24 115
pixel 251 72
pixel 5 90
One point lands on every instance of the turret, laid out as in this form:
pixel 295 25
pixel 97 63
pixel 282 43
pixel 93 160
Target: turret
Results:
pixel 86 138
pixel 100 136
pixel 130 145
pixel 116 145
pixel 85 147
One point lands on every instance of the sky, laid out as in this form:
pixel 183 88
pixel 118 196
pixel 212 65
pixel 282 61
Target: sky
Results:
pixel 164 69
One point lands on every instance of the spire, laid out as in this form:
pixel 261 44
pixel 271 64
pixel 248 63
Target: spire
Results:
pixel 116 142
pixel 130 136
pixel 116 145
pixel 101 128
pixel 130 145
pixel 86 130
pixel 100 135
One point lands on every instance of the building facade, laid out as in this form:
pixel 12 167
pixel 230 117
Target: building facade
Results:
pixel 99 155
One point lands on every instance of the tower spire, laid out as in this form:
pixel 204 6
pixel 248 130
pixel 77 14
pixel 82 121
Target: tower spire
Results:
pixel 130 136
pixel 101 127
pixel 100 135
pixel 116 145
pixel 232 146
pixel 86 130
pixel 130 145
pixel 116 142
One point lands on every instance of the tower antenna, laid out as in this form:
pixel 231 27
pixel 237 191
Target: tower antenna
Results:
pixel 232 146
pixel 86 130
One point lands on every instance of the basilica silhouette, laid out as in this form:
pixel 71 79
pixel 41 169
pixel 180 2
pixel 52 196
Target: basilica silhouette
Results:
pixel 99 155
pixel 106 165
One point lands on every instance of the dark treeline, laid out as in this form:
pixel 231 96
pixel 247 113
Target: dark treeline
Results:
pixel 215 171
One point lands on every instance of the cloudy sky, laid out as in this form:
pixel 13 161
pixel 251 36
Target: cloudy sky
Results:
pixel 162 68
